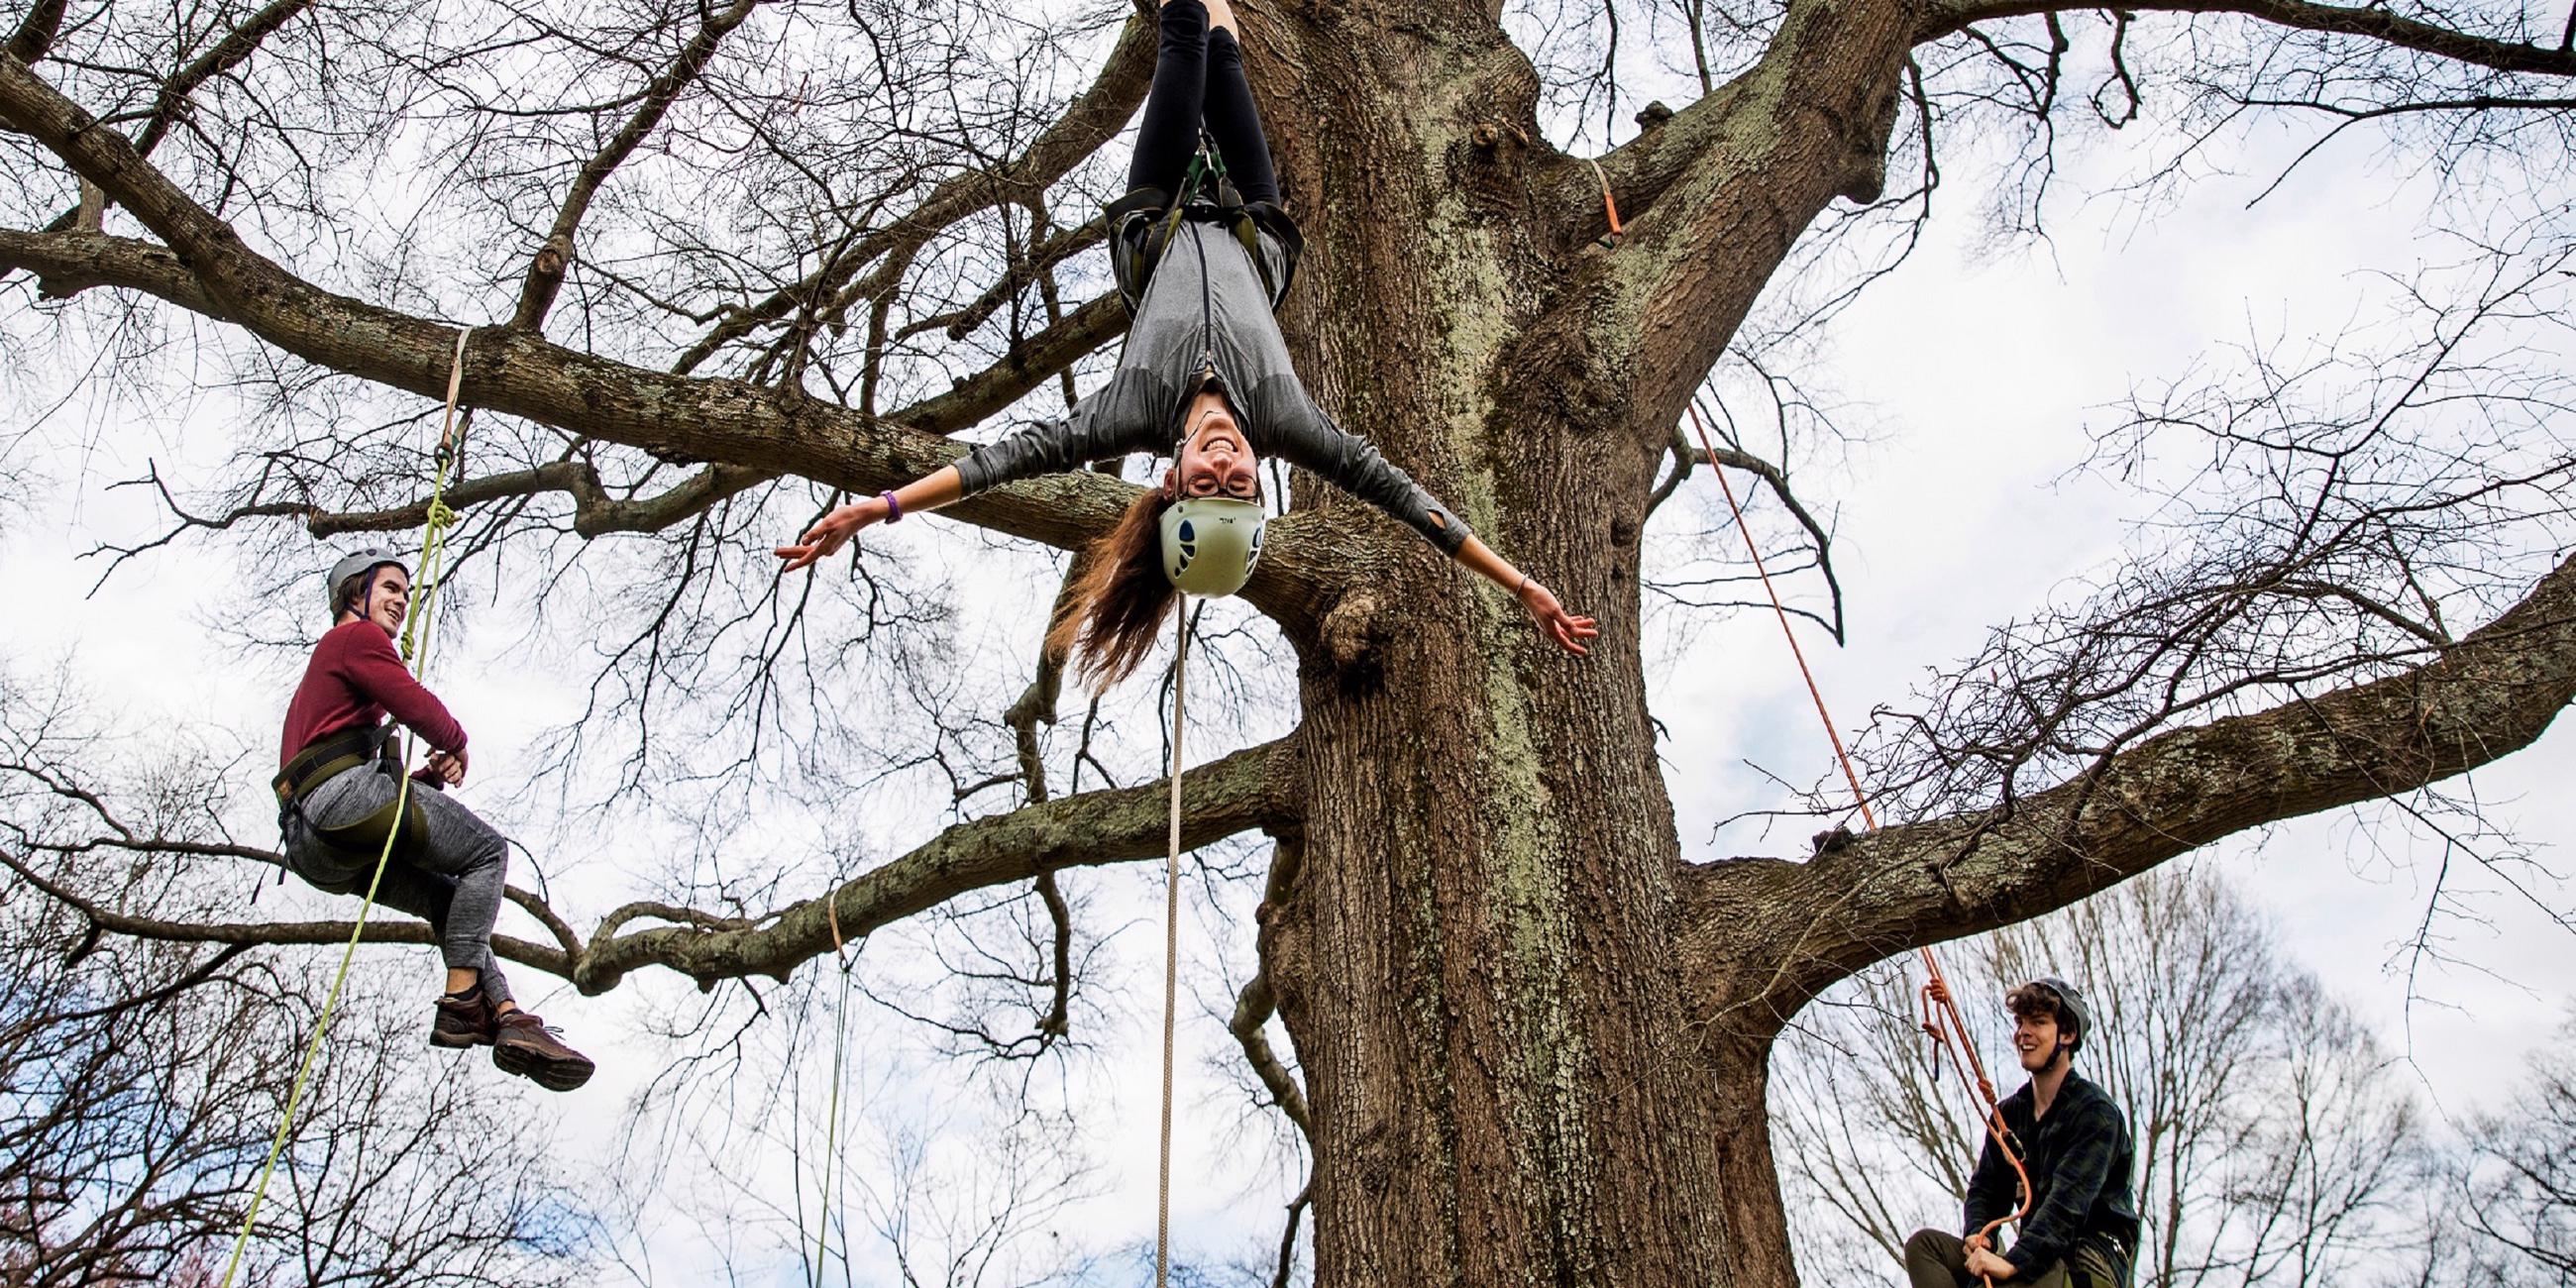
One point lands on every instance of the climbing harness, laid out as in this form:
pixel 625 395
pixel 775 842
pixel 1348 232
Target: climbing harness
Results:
pixel 1940 1018
pixel 1142 224
pixel 398 822
pixel 1171 959
pixel 425 603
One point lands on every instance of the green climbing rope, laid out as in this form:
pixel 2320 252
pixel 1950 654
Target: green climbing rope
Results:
pixel 424 603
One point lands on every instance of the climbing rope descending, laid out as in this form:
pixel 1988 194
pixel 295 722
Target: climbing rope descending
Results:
pixel 840 1055
pixel 1171 960
pixel 424 604
pixel 1940 1016
pixel 1610 207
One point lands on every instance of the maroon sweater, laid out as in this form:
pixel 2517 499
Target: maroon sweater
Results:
pixel 355 677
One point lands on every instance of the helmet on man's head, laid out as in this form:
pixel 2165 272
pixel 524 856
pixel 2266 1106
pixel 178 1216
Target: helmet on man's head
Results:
pixel 360 564
pixel 2060 999
pixel 1210 543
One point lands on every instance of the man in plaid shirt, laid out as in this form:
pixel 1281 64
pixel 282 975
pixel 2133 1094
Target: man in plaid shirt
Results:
pixel 2082 1230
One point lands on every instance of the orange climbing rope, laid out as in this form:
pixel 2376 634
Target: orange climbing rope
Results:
pixel 1610 206
pixel 1940 1017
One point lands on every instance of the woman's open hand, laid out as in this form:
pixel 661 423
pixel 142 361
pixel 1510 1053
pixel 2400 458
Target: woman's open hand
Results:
pixel 1568 630
pixel 831 533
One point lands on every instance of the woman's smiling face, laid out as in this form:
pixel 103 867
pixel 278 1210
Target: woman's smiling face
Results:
pixel 1214 459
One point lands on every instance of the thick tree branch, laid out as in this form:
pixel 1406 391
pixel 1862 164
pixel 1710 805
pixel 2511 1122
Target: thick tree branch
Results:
pixel 1641 170
pixel 521 374
pixel 2371 21
pixel 35 35
pixel 68 263
pixel 554 256
pixel 1715 197
pixel 387 929
pixel 1864 898
pixel 1254 788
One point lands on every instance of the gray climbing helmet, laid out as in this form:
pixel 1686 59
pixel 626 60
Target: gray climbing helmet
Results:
pixel 1210 543
pixel 2072 1004
pixel 364 561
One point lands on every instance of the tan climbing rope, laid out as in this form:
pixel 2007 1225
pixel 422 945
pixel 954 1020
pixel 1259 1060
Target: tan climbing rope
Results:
pixel 840 1054
pixel 1171 957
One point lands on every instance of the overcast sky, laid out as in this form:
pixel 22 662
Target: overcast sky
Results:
pixel 1975 374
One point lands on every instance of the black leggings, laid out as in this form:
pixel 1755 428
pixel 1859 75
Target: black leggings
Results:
pixel 1198 79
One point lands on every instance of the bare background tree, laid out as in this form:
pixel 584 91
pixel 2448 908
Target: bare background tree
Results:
pixel 2277 1142
pixel 140 1081
pixel 2517 1198
pixel 726 264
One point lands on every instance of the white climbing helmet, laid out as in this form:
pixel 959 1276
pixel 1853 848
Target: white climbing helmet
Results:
pixel 1210 543
pixel 362 561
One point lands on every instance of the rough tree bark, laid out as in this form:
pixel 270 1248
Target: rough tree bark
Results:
pixel 1533 1037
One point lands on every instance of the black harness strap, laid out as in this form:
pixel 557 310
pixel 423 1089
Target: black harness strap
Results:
pixel 328 758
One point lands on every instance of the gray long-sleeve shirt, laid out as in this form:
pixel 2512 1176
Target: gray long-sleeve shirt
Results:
pixel 1205 306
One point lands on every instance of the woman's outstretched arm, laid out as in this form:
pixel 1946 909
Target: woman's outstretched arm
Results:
pixel 827 536
pixel 1566 629
pixel 1115 420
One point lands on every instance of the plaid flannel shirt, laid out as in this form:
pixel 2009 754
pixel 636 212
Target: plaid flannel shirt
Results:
pixel 2080 1160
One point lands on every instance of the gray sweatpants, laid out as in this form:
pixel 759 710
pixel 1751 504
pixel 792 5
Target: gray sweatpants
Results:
pixel 456 888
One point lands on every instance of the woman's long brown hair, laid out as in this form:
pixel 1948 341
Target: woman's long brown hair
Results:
pixel 1120 596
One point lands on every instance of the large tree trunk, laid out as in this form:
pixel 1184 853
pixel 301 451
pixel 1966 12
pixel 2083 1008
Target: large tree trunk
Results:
pixel 1477 961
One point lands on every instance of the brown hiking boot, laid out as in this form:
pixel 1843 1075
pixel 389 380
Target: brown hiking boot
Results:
pixel 463 1021
pixel 526 1046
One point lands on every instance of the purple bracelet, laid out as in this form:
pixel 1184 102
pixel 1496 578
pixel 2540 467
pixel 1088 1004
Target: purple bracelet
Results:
pixel 894 508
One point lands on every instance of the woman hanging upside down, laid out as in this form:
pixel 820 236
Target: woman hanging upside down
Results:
pixel 1204 375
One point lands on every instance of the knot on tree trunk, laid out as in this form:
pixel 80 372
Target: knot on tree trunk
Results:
pixel 1864 178
pixel 1352 633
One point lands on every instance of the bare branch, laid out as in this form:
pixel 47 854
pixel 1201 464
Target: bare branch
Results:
pixel 554 256
pixel 1254 1006
pixel 2372 21
pixel 2491 694
pixel 595 512
pixel 232 51
pixel 1091 120
pixel 1026 367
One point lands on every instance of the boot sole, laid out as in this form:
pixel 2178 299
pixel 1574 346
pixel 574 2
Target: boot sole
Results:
pixel 553 1075
pixel 458 1041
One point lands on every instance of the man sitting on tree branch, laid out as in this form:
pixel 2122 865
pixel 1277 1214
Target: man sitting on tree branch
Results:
pixel 338 790
pixel 2082 1228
